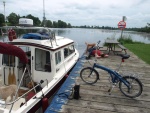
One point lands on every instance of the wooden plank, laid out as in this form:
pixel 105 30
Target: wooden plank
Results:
pixel 105 80
pixel 105 87
pixel 122 47
pixel 116 101
pixel 107 107
pixel 78 109
pixel 96 99
pixel 115 93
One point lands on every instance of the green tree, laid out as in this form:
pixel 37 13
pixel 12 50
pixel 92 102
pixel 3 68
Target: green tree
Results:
pixel 55 24
pixel 62 24
pixel 13 19
pixel 42 23
pixel 36 21
pixel 2 19
pixel 148 24
pixel 48 23
pixel 69 25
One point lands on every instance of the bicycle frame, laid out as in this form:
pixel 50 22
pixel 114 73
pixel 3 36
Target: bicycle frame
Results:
pixel 116 76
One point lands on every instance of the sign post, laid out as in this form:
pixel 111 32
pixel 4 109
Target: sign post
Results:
pixel 122 26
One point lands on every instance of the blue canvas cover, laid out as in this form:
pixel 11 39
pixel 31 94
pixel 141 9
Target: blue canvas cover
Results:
pixel 36 36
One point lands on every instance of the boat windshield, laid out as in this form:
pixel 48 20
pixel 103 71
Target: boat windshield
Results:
pixel 44 32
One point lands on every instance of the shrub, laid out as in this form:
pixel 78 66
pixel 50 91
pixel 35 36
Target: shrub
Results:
pixel 128 40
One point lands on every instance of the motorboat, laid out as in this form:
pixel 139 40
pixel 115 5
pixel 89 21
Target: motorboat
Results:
pixel 40 58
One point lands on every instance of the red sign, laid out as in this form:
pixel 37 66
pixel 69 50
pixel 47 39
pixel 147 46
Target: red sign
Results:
pixel 122 25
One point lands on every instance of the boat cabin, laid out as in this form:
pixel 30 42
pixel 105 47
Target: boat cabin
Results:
pixel 45 57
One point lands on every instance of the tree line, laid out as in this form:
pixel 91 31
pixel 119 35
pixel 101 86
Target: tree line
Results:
pixel 142 29
pixel 13 20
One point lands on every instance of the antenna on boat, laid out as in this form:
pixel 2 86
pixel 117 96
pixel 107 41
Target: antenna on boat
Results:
pixel 53 35
pixel 4 21
pixel 44 13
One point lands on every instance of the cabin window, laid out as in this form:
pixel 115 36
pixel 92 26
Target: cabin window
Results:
pixel 8 60
pixel 68 50
pixel 58 57
pixel 71 49
pixel 42 60
pixel 27 50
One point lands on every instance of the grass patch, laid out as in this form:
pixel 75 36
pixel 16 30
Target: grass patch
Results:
pixel 128 40
pixel 138 48
pixel 141 50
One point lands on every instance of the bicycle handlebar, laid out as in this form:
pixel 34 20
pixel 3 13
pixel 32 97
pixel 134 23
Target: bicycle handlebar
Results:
pixel 98 42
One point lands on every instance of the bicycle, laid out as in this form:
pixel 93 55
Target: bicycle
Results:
pixel 127 84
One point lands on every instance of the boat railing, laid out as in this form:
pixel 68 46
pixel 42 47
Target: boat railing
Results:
pixel 39 84
pixel 54 37
pixel 46 34
pixel 23 58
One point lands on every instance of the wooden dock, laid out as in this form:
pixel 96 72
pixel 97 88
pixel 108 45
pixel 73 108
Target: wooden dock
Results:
pixel 96 99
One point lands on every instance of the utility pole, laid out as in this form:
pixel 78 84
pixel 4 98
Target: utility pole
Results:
pixel 44 13
pixel 123 19
pixel 4 13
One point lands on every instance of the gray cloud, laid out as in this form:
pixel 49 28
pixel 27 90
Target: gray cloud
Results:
pixel 84 12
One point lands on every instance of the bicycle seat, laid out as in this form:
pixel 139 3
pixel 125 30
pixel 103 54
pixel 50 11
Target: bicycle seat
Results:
pixel 124 56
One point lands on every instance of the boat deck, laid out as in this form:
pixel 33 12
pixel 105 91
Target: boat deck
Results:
pixel 95 98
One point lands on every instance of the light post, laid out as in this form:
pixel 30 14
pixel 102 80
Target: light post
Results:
pixel 123 19
pixel 44 13
pixel 4 12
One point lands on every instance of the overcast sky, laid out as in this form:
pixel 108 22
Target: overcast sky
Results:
pixel 84 12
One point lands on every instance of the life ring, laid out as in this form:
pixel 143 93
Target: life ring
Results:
pixel 14 34
pixel 11 35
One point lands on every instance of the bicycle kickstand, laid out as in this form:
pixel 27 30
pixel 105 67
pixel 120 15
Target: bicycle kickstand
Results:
pixel 111 88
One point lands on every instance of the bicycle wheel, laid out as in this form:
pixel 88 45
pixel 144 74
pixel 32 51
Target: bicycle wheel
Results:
pixel 135 89
pixel 89 75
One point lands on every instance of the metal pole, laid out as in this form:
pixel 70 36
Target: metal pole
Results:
pixel 121 33
pixel 4 13
pixel 43 13
pixel 18 89
pixel 123 19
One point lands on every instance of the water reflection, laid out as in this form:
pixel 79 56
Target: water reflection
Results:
pixel 80 35
pixel 93 35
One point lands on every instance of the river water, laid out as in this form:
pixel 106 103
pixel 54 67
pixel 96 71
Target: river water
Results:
pixel 82 35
